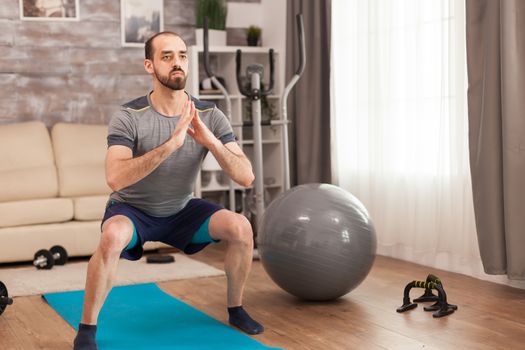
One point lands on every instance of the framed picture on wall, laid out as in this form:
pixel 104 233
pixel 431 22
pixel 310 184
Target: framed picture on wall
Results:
pixel 139 20
pixel 49 10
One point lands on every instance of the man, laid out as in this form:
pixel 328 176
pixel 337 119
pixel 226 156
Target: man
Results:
pixel 156 144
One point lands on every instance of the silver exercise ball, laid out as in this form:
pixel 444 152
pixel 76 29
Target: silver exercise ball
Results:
pixel 317 242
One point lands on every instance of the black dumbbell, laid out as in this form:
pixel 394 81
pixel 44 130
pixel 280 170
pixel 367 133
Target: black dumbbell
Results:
pixel 4 298
pixel 46 259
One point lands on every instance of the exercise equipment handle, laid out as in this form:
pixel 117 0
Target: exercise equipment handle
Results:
pixel 242 89
pixel 302 45
pixel 442 306
pixel 284 99
pixel 249 92
pixel 302 58
pixel 272 80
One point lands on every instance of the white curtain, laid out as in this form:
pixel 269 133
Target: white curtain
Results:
pixel 400 127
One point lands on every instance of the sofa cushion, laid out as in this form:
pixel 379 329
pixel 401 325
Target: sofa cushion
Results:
pixel 90 207
pixel 79 239
pixel 80 152
pixel 21 243
pixel 27 165
pixel 35 211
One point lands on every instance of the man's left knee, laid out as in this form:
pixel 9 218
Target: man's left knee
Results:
pixel 240 230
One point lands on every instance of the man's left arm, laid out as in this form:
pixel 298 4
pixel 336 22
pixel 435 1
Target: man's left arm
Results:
pixel 233 161
pixel 229 155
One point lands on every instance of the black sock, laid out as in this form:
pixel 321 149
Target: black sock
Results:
pixel 240 318
pixel 85 339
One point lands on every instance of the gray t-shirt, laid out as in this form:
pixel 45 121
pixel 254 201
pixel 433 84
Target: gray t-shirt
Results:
pixel 170 186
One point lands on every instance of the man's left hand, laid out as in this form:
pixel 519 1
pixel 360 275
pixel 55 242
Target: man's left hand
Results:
pixel 200 132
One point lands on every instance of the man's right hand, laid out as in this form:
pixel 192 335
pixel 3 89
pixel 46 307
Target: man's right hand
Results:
pixel 179 134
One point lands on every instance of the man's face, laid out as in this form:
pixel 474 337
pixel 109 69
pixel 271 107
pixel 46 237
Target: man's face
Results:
pixel 170 61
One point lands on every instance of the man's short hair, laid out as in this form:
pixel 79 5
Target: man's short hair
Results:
pixel 148 46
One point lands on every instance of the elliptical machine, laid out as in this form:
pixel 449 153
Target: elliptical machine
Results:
pixel 255 73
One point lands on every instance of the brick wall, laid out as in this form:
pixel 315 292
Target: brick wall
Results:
pixel 75 71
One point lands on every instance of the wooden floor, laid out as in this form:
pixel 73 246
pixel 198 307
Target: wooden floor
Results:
pixel 490 316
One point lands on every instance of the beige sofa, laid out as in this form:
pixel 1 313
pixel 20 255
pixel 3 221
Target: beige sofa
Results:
pixel 52 188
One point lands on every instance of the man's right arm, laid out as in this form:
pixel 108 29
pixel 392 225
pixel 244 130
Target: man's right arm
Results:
pixel 122 170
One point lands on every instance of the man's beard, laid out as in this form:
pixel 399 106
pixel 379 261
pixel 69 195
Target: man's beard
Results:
pixel 174 83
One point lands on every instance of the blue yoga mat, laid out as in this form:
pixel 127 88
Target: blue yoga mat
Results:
pixel 142 316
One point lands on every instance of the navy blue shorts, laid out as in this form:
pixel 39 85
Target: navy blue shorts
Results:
pixel 176 230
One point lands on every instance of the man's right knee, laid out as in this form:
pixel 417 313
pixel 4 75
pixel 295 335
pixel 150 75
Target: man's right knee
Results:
pixel 117 232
